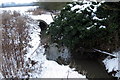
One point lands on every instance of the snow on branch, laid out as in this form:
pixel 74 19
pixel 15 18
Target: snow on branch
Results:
pixel 104 52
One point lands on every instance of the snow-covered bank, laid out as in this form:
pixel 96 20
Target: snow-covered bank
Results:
pixel 46 68
pixel 50 69
pixel 42 68
pixel 45 17
pixel 1 76
pixel 113 64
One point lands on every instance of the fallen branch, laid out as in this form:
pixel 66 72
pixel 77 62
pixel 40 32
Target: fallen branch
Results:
pixel 104 52
pixel 35 49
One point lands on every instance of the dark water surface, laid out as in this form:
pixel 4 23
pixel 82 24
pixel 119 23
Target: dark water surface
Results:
pixel 90 68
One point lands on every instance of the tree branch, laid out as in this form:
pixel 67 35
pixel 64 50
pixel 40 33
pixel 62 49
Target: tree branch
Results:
pixel 104 52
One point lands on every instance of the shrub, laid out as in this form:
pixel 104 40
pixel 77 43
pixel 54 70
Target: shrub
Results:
pixel 85 24
pixel 15 40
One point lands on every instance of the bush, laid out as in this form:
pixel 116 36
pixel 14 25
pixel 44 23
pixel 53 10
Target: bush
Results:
pixel 15 39
pixel 80 26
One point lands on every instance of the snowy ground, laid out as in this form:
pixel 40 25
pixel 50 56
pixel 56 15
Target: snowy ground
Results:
pixel 44 68
pixel 113 64
pixel 22 10
pixel 45 17
pixel 1 76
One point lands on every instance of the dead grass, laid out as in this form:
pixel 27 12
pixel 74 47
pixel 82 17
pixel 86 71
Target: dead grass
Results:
pixel 37 11
pixel 15 39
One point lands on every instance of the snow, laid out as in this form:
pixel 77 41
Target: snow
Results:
pixel 102 26
pixel 76 7
pixel 103 52
pixel 45 68
pixel 96 18
pixel 45 17
pixel 88 28
pixel 1 76
pixel 54 53
pixel 21 9
pixel 112 64
pixel 57 71
pixel 51 69
pixel 83 7
pixel 34 32
pixel 17 1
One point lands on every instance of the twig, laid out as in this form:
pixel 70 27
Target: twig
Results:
pixel 36 49
pixel 68 74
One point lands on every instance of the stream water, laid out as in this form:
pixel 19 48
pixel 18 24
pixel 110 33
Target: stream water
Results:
pixel 90 68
